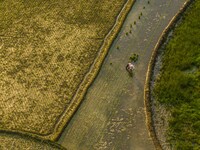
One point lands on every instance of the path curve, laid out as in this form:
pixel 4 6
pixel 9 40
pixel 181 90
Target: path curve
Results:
pixel 112 114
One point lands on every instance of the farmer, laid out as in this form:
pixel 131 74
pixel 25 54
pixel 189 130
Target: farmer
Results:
pixel 130 67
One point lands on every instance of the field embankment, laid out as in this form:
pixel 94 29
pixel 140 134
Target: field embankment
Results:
pixel 17 141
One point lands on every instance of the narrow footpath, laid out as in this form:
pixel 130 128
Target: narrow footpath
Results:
pixel 112 117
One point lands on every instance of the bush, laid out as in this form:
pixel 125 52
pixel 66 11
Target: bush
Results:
pixel 134 57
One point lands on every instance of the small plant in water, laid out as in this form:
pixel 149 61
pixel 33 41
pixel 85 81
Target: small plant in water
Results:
pixel 134 57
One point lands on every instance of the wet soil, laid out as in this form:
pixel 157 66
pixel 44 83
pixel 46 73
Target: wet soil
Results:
pixel 112 114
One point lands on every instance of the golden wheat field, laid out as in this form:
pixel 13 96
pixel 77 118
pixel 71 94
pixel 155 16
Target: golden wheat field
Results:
pixel 13 141
pixel 46 49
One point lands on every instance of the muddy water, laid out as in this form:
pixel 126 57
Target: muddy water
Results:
pixel 112 114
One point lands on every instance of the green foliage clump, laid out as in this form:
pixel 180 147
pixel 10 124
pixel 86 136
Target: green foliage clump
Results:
pixel 178 87
pixel 134 57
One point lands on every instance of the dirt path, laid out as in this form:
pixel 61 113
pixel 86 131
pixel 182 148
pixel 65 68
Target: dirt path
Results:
pixel 112 113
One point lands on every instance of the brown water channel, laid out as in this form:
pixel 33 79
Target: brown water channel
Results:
pixel 112 115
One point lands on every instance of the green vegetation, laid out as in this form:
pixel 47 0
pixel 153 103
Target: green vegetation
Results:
pixel 134 57
pixel 178 85
pixel 47 47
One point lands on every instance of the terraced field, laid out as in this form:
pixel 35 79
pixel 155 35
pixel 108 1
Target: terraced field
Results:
pixel 14 141
pixel 46 49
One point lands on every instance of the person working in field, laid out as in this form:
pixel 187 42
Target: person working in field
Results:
pixel 130 67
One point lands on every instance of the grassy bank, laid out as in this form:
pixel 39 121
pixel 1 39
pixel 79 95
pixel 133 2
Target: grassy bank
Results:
pixel 178 85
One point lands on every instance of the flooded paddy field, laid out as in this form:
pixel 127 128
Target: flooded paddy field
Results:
pixel 112 115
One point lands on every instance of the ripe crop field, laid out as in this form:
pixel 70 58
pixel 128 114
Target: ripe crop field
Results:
pixel 178 84
pixel 22 142
pixel 46 49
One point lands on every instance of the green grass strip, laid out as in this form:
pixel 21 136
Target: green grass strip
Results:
pixel 178 87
